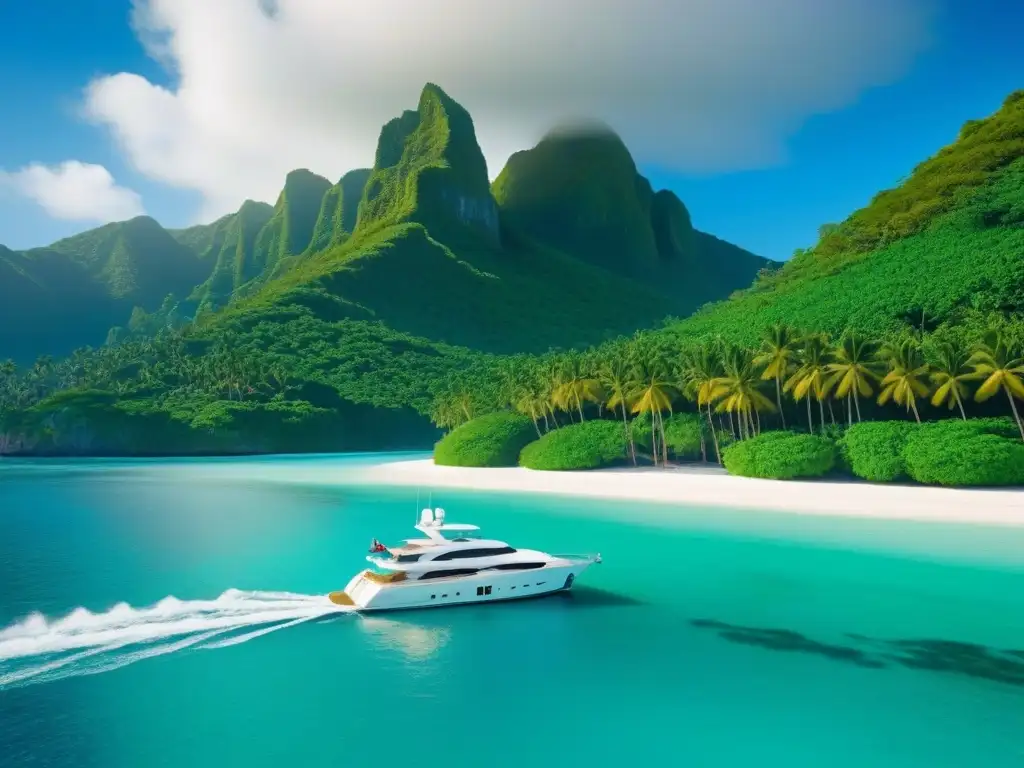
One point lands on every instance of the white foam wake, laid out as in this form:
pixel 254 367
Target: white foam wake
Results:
pixel 36 649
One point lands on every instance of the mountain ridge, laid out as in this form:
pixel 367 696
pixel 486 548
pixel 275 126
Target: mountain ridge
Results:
pixel 429 171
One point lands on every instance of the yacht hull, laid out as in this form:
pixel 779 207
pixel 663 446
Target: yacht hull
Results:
pixel 366 595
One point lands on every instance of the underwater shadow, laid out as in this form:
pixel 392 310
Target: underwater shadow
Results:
pixel 787 641
pixel 943 656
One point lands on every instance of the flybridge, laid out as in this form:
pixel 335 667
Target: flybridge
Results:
pixel 433 525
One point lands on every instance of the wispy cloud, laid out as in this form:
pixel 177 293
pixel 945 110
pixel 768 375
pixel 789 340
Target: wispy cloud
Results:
pixel 74 191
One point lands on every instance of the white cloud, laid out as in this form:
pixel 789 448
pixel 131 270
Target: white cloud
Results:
pixel 265 86
pixel 75 191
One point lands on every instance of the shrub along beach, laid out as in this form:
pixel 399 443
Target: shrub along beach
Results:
pixel 918 407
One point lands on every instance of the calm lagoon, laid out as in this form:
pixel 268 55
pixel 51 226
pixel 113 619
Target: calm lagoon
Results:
pixel 706 638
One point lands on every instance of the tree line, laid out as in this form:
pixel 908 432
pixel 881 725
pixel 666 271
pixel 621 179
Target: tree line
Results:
pixel 159 366
pixel 650 376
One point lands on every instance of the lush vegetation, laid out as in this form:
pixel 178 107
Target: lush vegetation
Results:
pixel 942 249
pixel 587 445
pixel 429 170
pixel 781 455
pixel 493 440
pixel 72 292
pixel 791 381
pixel 874 450
pixel 983 148
pixel 225 393
pixel 976 452
pixel 359 325
pixel 228 245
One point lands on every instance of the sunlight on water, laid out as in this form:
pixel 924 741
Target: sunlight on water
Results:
pixel 710 636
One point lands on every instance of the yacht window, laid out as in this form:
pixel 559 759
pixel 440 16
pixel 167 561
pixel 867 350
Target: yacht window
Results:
pixel 449 572
pixel 479 590
pixel 408 558
pixel 517 566
pixel 487 590
pixel 458 554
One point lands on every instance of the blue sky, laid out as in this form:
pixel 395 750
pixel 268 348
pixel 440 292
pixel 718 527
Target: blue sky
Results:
pixel 834 162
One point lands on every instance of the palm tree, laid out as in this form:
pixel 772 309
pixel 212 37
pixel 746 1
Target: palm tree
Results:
pixel 445 413
pixel 578 386
pixel 530 401
pixel 510 376
pixel 554 381
pixel 951 369
pixel 1000 363
pixel 544 383
pixel 617 384
pixel 905 381
pixel 854 369
pixel 701 373
pixel 740 390
pixel 811 378
pixel 653 395
pixel 778 358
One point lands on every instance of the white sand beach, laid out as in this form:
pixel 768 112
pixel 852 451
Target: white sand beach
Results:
pixel 700 486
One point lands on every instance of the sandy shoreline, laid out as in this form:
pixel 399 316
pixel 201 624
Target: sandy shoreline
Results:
pixel 707 487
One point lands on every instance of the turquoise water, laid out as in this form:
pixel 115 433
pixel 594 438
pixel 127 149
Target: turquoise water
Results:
pixel 706 638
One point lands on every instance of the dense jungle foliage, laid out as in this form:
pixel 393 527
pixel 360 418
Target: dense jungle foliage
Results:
pixel 426 301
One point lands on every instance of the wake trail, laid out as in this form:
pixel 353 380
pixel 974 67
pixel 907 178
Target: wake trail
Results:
pixel 36 649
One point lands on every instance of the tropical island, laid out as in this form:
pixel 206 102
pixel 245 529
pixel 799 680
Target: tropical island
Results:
pixel 523 322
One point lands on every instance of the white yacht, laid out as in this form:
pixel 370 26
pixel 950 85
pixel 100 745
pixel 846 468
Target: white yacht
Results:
pixel 453 565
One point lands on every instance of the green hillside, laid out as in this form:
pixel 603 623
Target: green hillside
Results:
pixel 69 294
pixel 229 245
pixel 944 247
pixel 49 306
pixel 137 260
pixel 580 192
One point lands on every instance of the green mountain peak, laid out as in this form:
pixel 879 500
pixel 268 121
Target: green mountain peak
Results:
pixel 338 210
pixel 290 230
pixel 429 170
pixel 579 190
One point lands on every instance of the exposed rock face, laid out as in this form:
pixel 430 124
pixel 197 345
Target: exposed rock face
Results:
pixel 479 212
pixel 430 170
